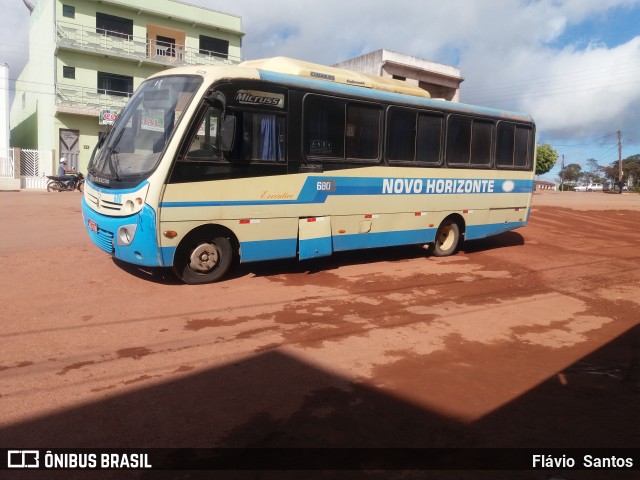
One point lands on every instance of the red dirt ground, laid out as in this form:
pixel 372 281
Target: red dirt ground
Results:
pixel 526 339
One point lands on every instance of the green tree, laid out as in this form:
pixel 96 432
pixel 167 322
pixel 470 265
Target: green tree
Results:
pixel 546 158
pixel 594 172
pixel 571 173
pixel 630 170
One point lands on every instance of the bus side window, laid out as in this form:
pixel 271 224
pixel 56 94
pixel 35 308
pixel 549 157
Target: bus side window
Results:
pixel 324 124
pixel 522 149
pixel 264 137
pixel 481 138
pixel 401 135
pixel 458 140
pixel 469 141
pixel 513 146
pixel 363 132
pixel 429 138
pixel 504 144
pixel 204 144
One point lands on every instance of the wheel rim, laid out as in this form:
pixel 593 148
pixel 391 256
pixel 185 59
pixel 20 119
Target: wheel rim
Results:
pixel 446 238
pixel 204 258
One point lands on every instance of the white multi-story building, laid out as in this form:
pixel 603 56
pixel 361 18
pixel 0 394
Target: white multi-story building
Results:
pixel 86 57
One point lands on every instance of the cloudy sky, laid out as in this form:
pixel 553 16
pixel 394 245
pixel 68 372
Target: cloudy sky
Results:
pixel 573 64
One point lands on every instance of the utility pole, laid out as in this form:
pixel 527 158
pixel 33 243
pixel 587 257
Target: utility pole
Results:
pixel 620 155
pixel 562 175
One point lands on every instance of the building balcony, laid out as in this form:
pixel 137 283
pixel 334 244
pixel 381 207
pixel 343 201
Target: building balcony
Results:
pixel 88 101
pixel 114 44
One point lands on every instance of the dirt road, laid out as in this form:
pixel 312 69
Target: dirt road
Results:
pixel 529 338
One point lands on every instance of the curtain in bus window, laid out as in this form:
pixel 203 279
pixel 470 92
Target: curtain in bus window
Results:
pixel 429 137
pixel 271 138
pixel 363 132
pixel 401 124
pixel 267 129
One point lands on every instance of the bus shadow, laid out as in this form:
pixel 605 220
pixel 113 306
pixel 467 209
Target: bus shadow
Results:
pixel 370 256
pixel 503 240
pixel 160 275
pixel 333 262
pixel 291 266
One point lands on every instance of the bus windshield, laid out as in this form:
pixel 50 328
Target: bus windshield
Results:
pixel 133 146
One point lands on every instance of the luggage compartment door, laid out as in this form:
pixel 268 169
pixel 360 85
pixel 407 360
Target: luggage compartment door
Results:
pixel 314 234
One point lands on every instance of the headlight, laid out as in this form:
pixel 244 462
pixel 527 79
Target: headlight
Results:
pixel 128 207
pixel 126 234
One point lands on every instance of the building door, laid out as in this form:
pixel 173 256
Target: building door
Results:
pixel 69 147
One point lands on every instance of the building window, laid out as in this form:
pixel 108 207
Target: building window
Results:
pixel 214 46
pixel 69 72
pixel 112 84
pixel 398 77
pixel 68 11
pixel 113 26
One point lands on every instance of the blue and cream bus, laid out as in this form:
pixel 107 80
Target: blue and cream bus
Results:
pixel 278 158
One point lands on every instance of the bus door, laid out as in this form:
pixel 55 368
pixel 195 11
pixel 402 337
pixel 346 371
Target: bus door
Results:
pixel 314 234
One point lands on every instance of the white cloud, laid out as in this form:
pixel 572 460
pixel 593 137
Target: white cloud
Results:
pixel 513 54
pixel 14 36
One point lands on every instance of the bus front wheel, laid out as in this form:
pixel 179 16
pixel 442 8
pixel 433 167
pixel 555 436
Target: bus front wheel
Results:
pixel 205 259
pixel 447 239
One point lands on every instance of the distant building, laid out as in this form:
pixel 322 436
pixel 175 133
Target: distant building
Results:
pixel 86 57
pixel 441 81
pixel 544 185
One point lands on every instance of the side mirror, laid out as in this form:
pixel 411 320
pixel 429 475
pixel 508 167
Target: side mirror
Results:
pixel 227 133
pixel 216 99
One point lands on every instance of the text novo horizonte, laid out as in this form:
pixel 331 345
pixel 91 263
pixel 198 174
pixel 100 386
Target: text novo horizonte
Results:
pixel 436 185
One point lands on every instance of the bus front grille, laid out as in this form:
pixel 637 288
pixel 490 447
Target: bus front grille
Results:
pixel 103 239
pixel 98 203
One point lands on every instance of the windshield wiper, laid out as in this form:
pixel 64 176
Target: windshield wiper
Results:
pixel 112 155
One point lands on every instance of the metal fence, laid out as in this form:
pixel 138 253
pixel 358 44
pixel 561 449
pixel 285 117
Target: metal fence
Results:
pixel 35 165
pixel 7 166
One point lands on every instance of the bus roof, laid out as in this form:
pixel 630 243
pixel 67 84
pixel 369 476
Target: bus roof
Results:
pixel 300 68
pixel 305 74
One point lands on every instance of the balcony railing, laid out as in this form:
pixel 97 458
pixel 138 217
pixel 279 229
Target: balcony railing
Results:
pixel 89 39
pixel 72 98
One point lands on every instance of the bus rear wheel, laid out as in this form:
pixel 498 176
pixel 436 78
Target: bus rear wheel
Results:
pixel 447 239
pixel 205 259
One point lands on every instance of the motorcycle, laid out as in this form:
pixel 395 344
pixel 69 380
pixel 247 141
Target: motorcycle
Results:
pixel 59 184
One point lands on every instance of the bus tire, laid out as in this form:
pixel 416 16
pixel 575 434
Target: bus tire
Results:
pixel 447 239
pixel 203 259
